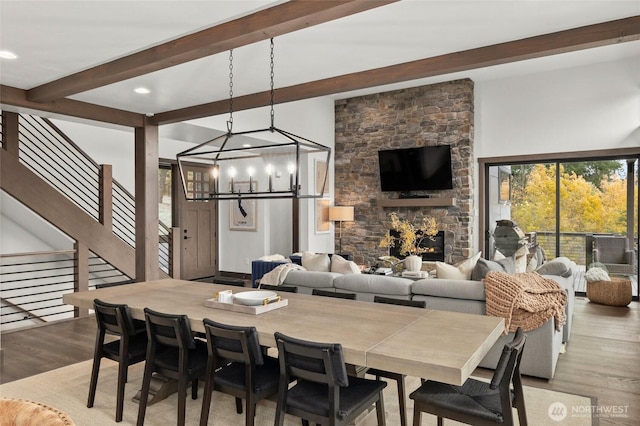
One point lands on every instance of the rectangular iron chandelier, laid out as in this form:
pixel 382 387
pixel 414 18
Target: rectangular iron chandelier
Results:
pixel 241 165
pixel 256 164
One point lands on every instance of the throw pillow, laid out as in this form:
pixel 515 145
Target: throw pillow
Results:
pixel 520 257
pixel 532 262
pixel 343 266
pixel 461 272
pixel 315 262
pixel 497 255
pixel 483 266
pixel 509 265
pixel 560 266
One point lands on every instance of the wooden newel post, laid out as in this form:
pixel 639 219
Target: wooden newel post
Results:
pixel 81 274
pixel 106 196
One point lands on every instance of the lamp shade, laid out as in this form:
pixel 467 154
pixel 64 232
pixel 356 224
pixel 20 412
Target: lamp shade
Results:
pixel 341 213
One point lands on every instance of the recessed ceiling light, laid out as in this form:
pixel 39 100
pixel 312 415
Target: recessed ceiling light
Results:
pixel 142 90
pixel 246 145
pixel 5 54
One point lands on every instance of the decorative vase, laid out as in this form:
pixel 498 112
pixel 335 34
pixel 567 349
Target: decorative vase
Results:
pixel 413 263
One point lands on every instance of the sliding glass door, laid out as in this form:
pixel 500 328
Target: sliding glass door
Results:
pixel 562 205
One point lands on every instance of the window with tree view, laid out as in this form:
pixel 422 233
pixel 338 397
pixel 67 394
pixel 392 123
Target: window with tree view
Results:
pixel 566 203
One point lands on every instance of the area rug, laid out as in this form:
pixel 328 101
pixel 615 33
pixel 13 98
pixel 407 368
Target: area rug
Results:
pixel 66 389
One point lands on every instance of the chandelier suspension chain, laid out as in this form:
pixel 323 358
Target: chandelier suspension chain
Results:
pixel 272 75
pixel 230 121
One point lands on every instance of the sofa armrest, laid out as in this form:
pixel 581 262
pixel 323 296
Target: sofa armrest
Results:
pixel 629 256
pixel 561 266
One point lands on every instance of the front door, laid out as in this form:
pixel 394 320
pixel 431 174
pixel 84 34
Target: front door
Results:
pixel 199 219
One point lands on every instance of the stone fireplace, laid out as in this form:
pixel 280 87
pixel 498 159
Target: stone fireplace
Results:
pixel 438 114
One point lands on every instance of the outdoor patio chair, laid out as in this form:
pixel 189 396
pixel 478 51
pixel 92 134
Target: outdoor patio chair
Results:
pixel 614 253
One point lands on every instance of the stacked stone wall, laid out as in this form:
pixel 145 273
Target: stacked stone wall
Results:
pixel 439 114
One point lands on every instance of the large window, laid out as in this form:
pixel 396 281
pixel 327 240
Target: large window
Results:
pixel 564 203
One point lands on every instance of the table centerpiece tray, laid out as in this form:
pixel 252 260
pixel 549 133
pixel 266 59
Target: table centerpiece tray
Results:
pixel 255 306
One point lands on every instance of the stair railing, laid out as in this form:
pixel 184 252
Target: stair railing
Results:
pixel 48 152
pixel 33 285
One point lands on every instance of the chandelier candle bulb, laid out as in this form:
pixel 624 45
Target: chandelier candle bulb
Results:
pixel 269 173
pixel 215 173
pixel 250 170
pixel 232 173
pixel 292 168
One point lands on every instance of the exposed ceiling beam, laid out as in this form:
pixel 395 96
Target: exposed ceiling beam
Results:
pixel 618 31
pixel 18 97
pixel 262 25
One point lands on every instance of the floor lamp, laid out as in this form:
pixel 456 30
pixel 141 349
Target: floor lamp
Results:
pixel 341 214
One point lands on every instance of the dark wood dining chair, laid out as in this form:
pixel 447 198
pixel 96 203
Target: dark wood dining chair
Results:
pixel 129 349
pixel 327 293
pixel 477 402
pixel 173 352
pixel 237 367
pixel 399 378
pixel 323 392
pixel 285 288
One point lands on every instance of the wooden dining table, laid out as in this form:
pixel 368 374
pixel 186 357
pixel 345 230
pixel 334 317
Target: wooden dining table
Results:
pixel 437 345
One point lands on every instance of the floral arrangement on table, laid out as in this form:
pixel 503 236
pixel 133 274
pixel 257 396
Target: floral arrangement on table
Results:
pixel 410 236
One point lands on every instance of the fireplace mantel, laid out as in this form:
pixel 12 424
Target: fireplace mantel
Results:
pixel 416 202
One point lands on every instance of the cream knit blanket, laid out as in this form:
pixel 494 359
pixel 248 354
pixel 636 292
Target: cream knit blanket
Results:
pixel 525 300
pixel 277 275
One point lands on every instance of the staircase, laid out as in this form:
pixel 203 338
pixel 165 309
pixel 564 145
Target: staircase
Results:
pixel 54 178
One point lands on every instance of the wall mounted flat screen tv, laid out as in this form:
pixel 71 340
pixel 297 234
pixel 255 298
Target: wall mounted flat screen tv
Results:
pixel 416 169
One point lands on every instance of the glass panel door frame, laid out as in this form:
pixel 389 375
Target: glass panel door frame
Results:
pixel 486 181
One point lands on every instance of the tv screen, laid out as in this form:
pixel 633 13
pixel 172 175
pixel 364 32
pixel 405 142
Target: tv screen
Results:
pixel 416 169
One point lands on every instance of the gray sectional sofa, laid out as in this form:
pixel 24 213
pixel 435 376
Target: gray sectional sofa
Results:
pixel 544 344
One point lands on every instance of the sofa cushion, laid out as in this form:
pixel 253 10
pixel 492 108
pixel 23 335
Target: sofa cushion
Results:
pixel 369 283
pixel 315 262
pixel 343 266
pixel 483 266
pixel 311 279
pixel 560 266
pixel 459 272
pixel 453 289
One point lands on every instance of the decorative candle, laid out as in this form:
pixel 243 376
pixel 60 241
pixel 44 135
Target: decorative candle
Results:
pixel 269 173
pixel 232 173
pixel 215 172
pixel 292 168
pixel 250 171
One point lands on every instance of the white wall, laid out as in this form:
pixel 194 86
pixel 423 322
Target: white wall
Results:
pixel 577 109
pixel 39 235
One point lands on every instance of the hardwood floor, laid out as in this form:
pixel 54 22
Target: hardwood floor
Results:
pixel 602 358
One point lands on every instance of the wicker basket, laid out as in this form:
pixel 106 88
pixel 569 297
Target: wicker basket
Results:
pixel 616 292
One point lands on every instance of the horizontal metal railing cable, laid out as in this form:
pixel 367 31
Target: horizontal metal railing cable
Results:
pixel 50 275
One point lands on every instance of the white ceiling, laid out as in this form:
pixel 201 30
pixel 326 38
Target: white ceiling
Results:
pixel 57 38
